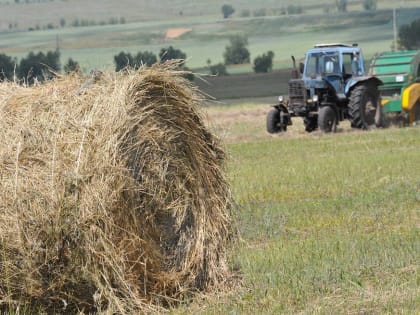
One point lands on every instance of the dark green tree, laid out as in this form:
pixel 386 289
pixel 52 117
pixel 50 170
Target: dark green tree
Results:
pixel 52 60
pixel 245 13
pixel 170 53
pixel 294 9
pixel 7 67
pixel 260 12
pixel 71 66
pixel 227 10
pixel 264 63
pixel 409 35
pixel 123 60
pixel 39 67
pixel 75 23
pixel 341 5
pixel 218 69
pixel 237 52
pixel 146 58
pixel 370 5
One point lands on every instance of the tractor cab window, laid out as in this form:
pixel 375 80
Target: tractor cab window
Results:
pixel 322 63
pixel 347 65
pixel 356 66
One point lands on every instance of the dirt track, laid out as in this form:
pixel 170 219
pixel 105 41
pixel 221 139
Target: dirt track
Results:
pixel 236 124
pixel 176 32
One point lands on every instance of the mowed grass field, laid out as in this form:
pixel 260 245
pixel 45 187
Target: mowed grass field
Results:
pixel 328 224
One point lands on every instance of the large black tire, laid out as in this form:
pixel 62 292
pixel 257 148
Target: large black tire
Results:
pixel 363 106
pixel 327 119
pixel 417 113
pixel 310 124
pixel 380 117
pixel 273 121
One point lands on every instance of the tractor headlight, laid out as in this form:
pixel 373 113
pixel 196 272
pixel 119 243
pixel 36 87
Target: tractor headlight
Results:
pixel 281 98
pixel 315 98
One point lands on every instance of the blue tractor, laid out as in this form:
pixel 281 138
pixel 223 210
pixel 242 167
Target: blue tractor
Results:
pixel 329 86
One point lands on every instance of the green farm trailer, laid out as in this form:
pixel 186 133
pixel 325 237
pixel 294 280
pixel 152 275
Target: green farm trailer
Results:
pixel 400 73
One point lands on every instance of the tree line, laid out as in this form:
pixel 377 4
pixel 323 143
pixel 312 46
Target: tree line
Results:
pixel 235 53
pixel 37 67
pixel 341 6
pixel 34 67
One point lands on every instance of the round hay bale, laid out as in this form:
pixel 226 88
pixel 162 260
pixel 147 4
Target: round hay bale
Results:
pixel 113 194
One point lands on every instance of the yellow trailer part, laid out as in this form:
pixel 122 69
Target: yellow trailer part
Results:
pixel 410 99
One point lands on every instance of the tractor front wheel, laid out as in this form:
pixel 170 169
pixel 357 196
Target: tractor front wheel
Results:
pixel 364 106
pixel 310 124
pixel 273 121
pixel 327 119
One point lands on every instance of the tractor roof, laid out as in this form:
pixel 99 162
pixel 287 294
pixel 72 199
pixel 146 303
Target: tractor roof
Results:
pixel 344 48
pixel 334 45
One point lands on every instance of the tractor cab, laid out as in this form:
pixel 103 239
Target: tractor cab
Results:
pixel 333 63
pixel 345 58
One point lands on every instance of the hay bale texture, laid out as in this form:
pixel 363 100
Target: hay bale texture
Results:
pixel 113 196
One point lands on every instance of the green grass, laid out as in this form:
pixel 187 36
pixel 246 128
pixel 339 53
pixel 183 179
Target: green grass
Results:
pixel 329 224
pixel 95 46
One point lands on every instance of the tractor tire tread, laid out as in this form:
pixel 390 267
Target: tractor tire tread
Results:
pixel 273 120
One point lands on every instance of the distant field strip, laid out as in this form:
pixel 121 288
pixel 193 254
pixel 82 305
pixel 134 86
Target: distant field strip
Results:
pixel 95 46
pixel 245 85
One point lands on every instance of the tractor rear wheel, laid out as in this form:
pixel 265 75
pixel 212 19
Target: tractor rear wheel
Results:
pixel 273 121
pixel 327 119
pixel 364 106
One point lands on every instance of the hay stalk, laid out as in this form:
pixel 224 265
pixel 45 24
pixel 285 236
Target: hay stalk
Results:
pixel 113 197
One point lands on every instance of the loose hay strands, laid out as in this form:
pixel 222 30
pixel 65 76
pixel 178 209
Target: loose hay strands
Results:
pixel 113 196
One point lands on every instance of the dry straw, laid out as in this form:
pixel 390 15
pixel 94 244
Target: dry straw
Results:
pixel 113 197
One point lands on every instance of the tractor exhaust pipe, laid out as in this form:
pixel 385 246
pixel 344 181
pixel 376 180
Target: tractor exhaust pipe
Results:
pixel 295 73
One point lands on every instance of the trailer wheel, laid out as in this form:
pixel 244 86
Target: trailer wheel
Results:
pixel 364 106
pixel 380 118
pixel 417 113
pixel 273 121
pixel 327 119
